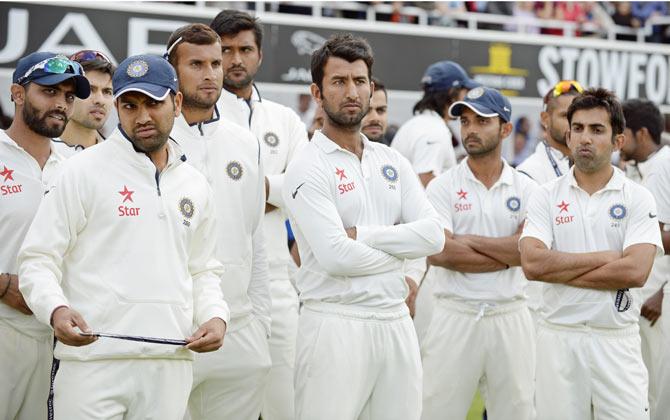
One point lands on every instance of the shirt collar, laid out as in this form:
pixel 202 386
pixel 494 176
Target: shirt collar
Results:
pixel 55 155
pixel 615 183
pixel 646 166
pixel 506 177
pixel 328 146
pixel 175 153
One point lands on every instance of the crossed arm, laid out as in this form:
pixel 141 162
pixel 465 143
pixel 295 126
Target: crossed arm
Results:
pixel 605 270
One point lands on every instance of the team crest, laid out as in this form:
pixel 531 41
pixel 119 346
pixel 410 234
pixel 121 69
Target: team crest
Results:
pixel 234 170
pixel 513 204
pixel 390 173
pixel 617 211
pixel 137 68
pixel 271 139
pixel 186 208
pixel 475 93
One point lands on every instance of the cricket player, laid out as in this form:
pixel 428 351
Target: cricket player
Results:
pixel 229 383
pixel 90 114
pixel 280 133
pixel 357 210
pixel 481 334
pixel 642 151
pixel 551 157
pixel 127 251
pixel 591 235
pixel 44 88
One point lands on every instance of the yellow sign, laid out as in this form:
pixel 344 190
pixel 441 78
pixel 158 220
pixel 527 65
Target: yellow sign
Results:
pixel 500 62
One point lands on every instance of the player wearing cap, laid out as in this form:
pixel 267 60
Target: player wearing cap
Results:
pixel 44 87
pixel 148 218
pixel 642 152
pixel 280 133
pixel 357 210
pixel 481 331
pixel 228 383
pixel 551 157
pixel 90 114
pixel 590 235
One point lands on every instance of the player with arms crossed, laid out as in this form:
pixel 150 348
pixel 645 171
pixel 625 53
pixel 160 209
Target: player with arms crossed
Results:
pixel 357 210
pixel 590 236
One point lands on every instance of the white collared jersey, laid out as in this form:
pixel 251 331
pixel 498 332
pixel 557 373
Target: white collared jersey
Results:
pixel 425 140
pixel 539 165
pixel 228 156
pixel 466 206
pixel 658 182
pixel 328 189
pixel 660 272
pixel 567 219
pixel 22 186
pixel 280 134
pixel 128 248
pixel 65 149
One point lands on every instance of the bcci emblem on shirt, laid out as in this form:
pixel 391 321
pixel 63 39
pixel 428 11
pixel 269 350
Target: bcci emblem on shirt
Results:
pixel 272 140
pixel 390 174
pixel 617 212
pixel 234 170
pixel 513 204
pixel 186 208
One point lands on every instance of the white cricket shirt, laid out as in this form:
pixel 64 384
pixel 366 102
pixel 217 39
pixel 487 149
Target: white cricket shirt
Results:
pixel 22 186
pixel 327 189
pixel 658 182
pixel 466 206
pixel 280 134
pixel 425 140
pixel 545 164
pixel 130 249
pixel 566 218
pixel 229 157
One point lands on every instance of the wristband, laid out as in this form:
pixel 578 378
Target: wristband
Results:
pixel 9 283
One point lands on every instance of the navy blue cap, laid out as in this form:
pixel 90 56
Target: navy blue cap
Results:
pixel 148 74
pixel 484 101
pixel 445 75
pixel 23 74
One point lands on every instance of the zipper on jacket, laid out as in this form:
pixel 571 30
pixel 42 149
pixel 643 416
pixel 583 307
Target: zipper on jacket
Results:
pixel 202 133
pixel 158 185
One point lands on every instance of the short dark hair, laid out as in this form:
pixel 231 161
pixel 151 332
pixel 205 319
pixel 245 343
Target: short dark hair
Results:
pixel 642 113
pixel 436 101
pixel 345 46
pixel 100 65
pixel 194 33
pixel 232 22
pixel 600 98
pixel 379 85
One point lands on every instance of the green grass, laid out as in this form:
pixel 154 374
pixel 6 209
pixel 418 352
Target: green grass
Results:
pixel 477 408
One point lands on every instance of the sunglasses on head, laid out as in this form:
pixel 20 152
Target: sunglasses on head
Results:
pixel 89 55
pixel 566 86
pixel 54 65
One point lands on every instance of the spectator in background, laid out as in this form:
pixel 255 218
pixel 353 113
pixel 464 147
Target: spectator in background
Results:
pixel 525 20
pixel 522 145
pixel 623 16
pixel 597 20
pixel 446 11
pixel 644 10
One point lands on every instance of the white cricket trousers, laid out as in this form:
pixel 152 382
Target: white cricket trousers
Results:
pixel 25 374
pixel 278 402
pixel 353 364
pixel 228 384
pixel 122 389
pixel 586 373
pixel 652 355
pixel 424 305
pixel 490 347
pixel 662 407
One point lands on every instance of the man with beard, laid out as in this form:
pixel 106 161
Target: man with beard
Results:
pixel 590 236
pixel 481 331
pixel 357 210
pixel 43 91
pixel 128 251
pixel 280 133
pixel 551 157
pixel 643 154
pixel 229 383
pixel 376 121
pixel 90 114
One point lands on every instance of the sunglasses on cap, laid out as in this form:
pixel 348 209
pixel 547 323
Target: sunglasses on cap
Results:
pixel 89 55
pixel 54 65
pixel 565 86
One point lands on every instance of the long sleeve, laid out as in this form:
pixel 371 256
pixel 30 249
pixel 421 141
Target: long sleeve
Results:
pixel 314 216
pixel 58 220
pixel 259 284
pixel 206 270
pixel 297 139
pixel 420 233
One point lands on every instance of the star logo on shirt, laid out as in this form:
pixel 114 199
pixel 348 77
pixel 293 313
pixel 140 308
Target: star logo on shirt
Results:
pixel 7 173
pixel 340 172
pixel 462 195
pixel 563 206
pixel 127 194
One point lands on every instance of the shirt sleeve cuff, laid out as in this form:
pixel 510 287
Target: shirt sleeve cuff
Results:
pixel 214 311
pixel 48 305
pixel 274 192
